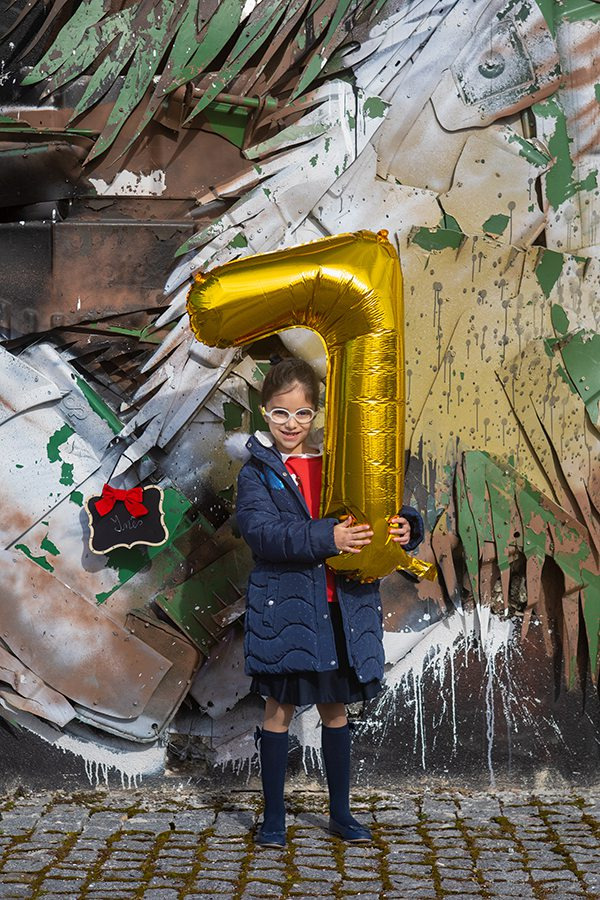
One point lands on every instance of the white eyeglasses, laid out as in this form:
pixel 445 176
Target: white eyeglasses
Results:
pixel 280 416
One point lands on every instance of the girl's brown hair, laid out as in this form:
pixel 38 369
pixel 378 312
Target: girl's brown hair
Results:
pixel 283 375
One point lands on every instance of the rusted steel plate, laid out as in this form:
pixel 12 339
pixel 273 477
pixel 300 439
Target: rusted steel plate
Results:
pixel 46 270
pixel 72 645
pixel 30 692
pixel 35 172
pixel 165 700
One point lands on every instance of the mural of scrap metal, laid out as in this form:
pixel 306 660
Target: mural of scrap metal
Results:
pixel 144 142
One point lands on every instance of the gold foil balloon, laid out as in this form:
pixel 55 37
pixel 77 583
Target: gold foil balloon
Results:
pixel 348 289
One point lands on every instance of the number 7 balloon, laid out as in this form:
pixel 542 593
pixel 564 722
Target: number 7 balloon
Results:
pixel 347 289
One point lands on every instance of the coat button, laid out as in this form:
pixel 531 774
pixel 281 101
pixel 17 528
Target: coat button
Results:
pixel 379 608
pixel 332 663
pixel 270 602
pixel 320 566
pixel 325 616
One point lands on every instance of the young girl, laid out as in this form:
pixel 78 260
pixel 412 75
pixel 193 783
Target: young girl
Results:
pixel 310 636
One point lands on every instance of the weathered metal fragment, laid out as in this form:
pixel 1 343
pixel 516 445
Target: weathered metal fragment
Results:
pixel 162 705
pixel 66 641
pixel 29 692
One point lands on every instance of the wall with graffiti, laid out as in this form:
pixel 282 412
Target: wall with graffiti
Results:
pixel 144 142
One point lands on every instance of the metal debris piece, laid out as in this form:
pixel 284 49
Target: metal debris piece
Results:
pixel 162 705
pixel 30 692
pixel 66 641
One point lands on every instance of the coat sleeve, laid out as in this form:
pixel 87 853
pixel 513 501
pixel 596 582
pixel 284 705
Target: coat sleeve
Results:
pixel 269 535
pixel 417 528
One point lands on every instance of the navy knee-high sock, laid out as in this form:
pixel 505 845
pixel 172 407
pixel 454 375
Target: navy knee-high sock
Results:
pixel 273 765
pixel 335 743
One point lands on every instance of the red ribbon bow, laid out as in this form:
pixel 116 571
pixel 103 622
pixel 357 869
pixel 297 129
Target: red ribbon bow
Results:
pixel 132 499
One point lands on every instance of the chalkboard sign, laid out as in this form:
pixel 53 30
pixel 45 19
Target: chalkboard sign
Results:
pixel 126 518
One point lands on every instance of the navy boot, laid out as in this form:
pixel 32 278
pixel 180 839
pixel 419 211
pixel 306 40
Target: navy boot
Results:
pixel 273 765
pixel 335 744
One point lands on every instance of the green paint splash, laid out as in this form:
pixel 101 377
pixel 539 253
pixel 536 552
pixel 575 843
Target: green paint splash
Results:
pixel 431 239
pixel 38 560
pixel 99 406
pixel 49 546
pixel 76 497
pixel 66 474
pixel 375 108
pixel 560 183
pixel 56 441
pixel 548 269
pixel 496 224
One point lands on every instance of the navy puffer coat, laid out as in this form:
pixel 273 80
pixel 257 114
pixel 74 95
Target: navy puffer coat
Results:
pixel 287 625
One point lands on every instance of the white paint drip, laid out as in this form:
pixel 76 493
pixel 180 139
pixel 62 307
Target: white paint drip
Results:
pixel 432 658
pixel 306 726
pixel 132 184
pixel 99 761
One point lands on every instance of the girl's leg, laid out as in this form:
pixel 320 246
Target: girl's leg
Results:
pixel 273 763
pixel 335 743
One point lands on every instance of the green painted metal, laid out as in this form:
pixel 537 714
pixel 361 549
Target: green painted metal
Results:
pixel 548 268
pixel 529 151
pixel 488 489
pixel 192 52
pixel 99 406
pixel 581 356
pixel 40 561
pixel 496 224
pixel 559 318
pixel 228 121
pixel 56 440
pixel 431 239
pixel 319 58
pixel 579 10
pixel 253 37
pixel 160 45
pixel 467 530
pixel 559 181
pixel 151 43
pixel 70 45
pixel 122 47
pixel 193 604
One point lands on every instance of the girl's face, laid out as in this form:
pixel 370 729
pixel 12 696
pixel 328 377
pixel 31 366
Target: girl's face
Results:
pixel 291 436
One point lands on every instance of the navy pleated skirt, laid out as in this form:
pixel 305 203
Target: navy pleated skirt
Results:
pixel 305 688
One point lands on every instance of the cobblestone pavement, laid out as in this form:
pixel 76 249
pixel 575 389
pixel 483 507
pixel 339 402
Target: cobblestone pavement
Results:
pixel 171 844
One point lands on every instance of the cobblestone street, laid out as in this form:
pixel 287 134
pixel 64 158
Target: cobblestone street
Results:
pixel 170 844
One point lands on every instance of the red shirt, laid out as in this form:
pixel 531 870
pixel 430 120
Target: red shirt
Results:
pixel 308 471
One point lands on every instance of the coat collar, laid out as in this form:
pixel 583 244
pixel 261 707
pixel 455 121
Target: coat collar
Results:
pixel 262 447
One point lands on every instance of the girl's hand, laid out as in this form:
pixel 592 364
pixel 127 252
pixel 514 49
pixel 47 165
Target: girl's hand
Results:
pixel 351 538
pixel 399 529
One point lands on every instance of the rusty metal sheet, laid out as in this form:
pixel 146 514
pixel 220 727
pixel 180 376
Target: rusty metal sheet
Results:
pixel 37 172
pixel 30 692
pixel 169 693
pixel 72 645
pixel 510 61
pixel 55 277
